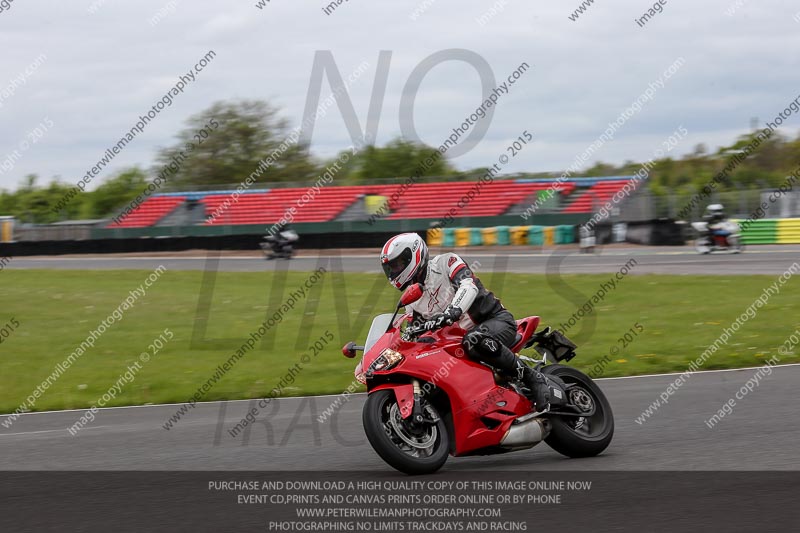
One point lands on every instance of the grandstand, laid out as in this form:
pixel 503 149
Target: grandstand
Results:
pixel 149 212
pixel 596 195
pixel 420 201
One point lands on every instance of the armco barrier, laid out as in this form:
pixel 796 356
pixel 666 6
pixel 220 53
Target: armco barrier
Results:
pixel 770 231
pixel 489 236
pixel 462 237
pixel 536 235
pixel 519 235
pixel 475 237
pixel 434 237
pixel 788 231
pixel 657 232
pixel 763 231
pixel 565 234
pixel 448 238
pixel 549 236
pixel 503 235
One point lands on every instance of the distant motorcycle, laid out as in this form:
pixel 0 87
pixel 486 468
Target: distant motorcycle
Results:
pixel 724 236
pixel 280 245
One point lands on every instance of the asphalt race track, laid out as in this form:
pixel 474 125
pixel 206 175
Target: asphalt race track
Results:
pixel 660 473
pixel 772 260
pixel 761 433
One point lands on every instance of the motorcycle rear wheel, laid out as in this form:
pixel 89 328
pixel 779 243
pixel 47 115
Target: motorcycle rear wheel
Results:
pixel 414 454
pixel 581 436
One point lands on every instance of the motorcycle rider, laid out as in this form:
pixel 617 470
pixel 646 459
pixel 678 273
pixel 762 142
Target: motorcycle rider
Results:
pixel 453 294
pixel 715 217
pixel 279 240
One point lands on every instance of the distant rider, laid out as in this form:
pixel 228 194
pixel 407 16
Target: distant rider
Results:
pixel 453 294
pixel 279 240
pixel 715 217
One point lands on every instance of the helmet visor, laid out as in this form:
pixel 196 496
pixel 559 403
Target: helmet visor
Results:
pixel 397 265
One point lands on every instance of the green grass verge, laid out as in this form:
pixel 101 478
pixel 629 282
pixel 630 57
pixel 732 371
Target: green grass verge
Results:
pixel 681 316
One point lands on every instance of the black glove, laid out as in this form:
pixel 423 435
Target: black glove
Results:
pixel 433 323
pixel 450 315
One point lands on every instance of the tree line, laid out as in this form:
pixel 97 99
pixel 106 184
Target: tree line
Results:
pixel 222 145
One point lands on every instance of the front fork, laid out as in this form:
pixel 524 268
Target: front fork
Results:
pixel 414 408
pixel 422 413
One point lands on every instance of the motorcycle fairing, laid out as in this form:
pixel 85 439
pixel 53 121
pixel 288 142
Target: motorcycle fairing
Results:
pixel 526 327
pixel 482 411
pixel 403 393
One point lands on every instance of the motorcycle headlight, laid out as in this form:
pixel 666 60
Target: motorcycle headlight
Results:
pixel 361 376
pixel 388 359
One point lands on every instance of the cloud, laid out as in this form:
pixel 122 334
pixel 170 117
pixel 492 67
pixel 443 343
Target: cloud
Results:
pixel 106 68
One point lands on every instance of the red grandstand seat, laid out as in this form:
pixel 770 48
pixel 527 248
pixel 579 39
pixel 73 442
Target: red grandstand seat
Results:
pixel 596 196
pixel 149 212
pixel 421 200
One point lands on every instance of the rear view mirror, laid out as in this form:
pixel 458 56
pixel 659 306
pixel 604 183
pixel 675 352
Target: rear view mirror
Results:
pixel 411 295
pixel 349 349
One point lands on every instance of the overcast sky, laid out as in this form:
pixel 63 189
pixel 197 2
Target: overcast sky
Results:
pixel 103 69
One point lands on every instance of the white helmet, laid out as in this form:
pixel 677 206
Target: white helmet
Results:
pixel 402 258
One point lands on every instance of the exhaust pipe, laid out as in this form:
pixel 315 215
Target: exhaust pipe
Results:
pixel 526 434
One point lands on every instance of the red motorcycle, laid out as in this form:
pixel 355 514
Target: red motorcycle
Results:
pixel 427 399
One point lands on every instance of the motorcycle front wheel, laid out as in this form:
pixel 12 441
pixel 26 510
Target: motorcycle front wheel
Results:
pixel 420 451
pixel 575 436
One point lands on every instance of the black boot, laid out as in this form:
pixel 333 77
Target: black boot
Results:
pixel 532 379
pixel 538 388
pixel 536 383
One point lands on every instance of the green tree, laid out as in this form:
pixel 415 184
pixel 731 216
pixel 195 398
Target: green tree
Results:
pixel 228 142
pixel 397 159
pixel 114 193
pixel 601 169
pixel 32 204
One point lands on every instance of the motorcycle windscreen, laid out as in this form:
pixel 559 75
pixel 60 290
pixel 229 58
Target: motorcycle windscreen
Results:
pixel 379 325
